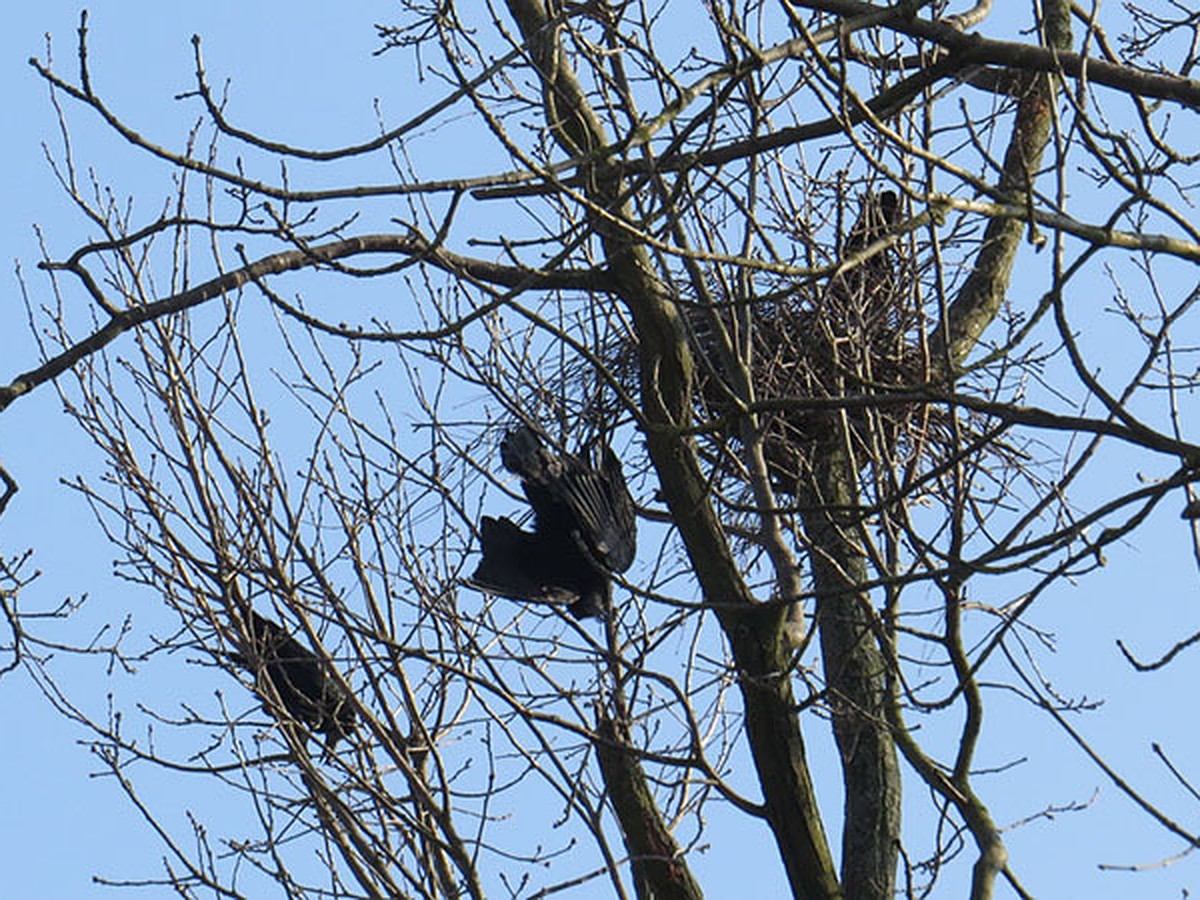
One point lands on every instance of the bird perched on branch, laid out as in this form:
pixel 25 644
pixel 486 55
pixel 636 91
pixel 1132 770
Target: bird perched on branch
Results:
pixel 880 212
pixel 864 300
pixel 584 528
pixel 289 674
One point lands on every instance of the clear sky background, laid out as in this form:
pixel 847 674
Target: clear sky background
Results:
pixel 304 75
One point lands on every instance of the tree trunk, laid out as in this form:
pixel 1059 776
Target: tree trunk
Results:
pixel 856 680
pixel 756 634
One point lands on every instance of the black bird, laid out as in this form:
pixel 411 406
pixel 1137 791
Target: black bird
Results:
pixel 880 212
pixel 308 692
pixel 866 296
pixel 584 529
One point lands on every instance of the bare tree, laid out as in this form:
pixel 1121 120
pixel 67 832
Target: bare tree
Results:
pixel 771 263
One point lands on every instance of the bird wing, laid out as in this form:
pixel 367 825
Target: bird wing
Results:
pixel 591 504
pixel 603 511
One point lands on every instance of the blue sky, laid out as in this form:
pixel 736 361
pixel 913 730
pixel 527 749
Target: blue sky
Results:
pixel 58 825
pixel 304 75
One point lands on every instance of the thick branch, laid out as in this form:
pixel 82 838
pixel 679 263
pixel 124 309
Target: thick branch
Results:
pixel 410 245
pixel 857 680
pixel 659 870
pixel 972 311
pixel 10 489
pixel 978 50
pixel 982 294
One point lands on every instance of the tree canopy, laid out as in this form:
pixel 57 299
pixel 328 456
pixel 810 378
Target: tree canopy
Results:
pixel 879 322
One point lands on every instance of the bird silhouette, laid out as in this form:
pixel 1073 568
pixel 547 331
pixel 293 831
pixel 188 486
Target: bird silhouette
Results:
pixel 584 528
pixel 290 675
